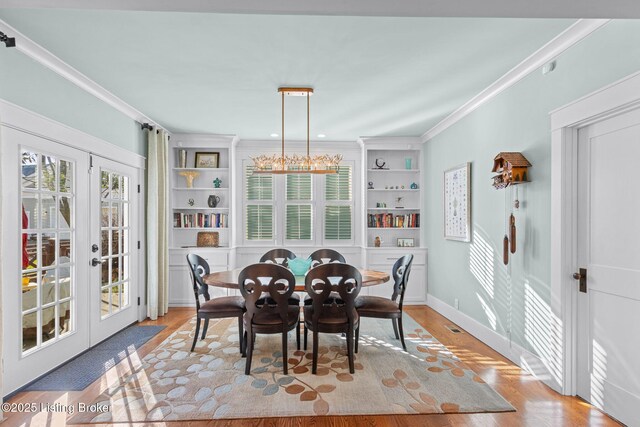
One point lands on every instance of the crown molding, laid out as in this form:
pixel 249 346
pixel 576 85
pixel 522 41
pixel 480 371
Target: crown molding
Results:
pixel 41 55
pixel 550 51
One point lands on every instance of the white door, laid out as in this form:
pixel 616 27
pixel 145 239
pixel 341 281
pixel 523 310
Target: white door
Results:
pixel 45 262
pixel 609 250
pixel 114 247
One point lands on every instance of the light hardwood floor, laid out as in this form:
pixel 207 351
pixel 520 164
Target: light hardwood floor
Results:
pixel 536 404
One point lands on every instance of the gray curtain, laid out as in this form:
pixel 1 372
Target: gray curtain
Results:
pixel 157 224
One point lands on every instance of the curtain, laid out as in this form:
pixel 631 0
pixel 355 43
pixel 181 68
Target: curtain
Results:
pixel 157 224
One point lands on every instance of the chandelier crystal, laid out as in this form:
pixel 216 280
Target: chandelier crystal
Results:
pixel 295 163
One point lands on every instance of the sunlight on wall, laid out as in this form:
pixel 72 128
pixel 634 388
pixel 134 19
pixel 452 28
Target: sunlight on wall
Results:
pixel 491 315
pixel 539 331
pixel 481 263
pixel 598 374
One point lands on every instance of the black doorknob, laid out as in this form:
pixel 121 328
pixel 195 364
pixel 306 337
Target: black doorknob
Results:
pixel 96 261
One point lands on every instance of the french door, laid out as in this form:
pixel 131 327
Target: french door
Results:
pixel 56 206
pixel 113 262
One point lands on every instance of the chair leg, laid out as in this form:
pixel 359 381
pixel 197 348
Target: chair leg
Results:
pixel 404 347
pixel 395 328
pixel 305 337
pixel 357 337
pixel 298 336
pixel 244 345
pixel 241 334
pixel 285 355
pixel 350 349
pixel 250 338
pixel 195 336
pixel 314 367
pixel 204 331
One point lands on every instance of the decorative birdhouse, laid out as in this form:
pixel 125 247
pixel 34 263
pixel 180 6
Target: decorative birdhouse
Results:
pixel 512 169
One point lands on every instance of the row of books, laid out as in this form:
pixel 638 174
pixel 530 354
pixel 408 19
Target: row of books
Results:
pixel 200 220
pixel 388 220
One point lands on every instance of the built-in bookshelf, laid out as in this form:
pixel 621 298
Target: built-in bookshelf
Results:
pixel 393 196
pixel 190 209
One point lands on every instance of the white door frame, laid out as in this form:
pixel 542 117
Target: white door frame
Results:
pixel 18 118
pixel 612 100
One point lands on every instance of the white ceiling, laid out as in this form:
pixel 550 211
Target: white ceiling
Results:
pixel 219 73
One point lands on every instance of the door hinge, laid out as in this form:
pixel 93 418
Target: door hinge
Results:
pixel 138 244
pixel 90 164
pixel 138 300
pixel 138 188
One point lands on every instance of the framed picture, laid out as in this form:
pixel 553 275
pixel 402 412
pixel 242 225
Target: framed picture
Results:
pixel 405 243
pixel 457 203
pixel 207 160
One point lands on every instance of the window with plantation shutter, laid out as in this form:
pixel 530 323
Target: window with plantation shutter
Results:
pixel 299 216
pixel 338 212
pixel 259 208
pixel 259 222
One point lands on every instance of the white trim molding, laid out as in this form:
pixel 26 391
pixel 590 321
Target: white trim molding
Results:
pixel 517 354
pixel 41 55
pixel 614 99
pixel 19 118
pixel 563 41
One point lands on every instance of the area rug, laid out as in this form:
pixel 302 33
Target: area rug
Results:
pixel 77 374
pixel 173 383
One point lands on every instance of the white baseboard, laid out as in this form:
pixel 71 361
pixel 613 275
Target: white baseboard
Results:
pixel 512 351
pixel 179 303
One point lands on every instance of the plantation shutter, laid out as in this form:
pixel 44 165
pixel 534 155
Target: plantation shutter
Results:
pixel 259 215
pixel 338 210
pixel 337 222
pixel 299 220
pixel 259 222
pixel 338 186
pixel 298 217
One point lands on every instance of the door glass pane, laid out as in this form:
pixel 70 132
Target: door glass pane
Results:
pixel 49 169
pixel 30 289
pixel 64 212
pixel 65 178
pixel 29 331
pixel 49 323
pixel 48 287
pixel 115 245
pixel 29 168
pixel 65 317
pixel 47 248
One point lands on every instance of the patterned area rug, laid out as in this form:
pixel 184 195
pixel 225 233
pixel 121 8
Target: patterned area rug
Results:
pixel 174 384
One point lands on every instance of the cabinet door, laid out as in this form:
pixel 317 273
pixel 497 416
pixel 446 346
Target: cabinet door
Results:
pixel 417 288
pixel 180 289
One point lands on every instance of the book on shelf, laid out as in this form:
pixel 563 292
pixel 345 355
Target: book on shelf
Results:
pixel 389 220
pixel 200 220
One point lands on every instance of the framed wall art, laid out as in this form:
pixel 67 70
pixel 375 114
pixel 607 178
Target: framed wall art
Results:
pixel 457 203
pixel 207 160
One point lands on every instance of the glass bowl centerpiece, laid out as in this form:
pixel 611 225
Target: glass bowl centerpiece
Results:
pixel 299 266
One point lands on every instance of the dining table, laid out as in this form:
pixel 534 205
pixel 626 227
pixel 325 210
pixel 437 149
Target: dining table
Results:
pixel 229 279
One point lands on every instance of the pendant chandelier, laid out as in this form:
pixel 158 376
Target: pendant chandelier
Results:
pixel 287 164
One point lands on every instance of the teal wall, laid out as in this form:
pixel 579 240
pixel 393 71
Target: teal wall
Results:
pixel 30 85
pixel 514 298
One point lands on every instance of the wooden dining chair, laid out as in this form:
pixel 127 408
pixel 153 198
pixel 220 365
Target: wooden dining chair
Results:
pixel 331 255
pixel 384 308
pixel 216 308
pixel 274 255
pixel 271 315
pixel 332 315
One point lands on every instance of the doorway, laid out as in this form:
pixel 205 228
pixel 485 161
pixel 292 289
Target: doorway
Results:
pixel 609 260
pixel 58 301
